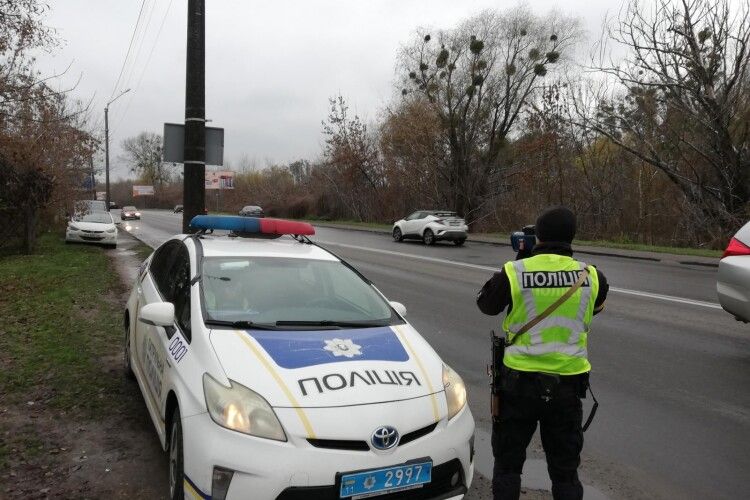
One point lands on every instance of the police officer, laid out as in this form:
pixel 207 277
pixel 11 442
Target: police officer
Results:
pixel 545 369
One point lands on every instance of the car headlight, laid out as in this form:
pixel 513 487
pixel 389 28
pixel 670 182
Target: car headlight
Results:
pixel 112 230
pixel 238 408
pixel 73 227
pixel 137 214
pixel 455 391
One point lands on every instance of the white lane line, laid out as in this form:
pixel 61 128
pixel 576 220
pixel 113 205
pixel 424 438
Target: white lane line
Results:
pixel 658 296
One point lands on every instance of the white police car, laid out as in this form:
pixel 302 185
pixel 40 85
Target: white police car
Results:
pixel 273 370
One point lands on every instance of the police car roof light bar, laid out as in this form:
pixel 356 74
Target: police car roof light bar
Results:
pixel 240 225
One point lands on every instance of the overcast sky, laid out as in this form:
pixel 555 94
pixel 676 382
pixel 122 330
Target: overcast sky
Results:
pixel 270 66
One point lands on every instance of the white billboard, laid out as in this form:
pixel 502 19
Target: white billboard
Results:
pixel 220 179
pixel 143 191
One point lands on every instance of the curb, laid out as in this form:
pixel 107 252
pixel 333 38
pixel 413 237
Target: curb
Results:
pixel 686 260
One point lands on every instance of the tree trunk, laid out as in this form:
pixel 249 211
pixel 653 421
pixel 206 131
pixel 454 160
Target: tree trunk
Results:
pixel 29 234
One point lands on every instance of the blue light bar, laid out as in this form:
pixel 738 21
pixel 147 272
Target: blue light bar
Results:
pixel 239 224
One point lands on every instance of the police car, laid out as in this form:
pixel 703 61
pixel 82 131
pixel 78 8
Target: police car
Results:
pixel 272 369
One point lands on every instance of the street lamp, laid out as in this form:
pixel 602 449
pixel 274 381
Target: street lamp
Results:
pixel 106 141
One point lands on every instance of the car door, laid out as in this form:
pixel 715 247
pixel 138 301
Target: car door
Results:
pixel 157 286
pixel 411 223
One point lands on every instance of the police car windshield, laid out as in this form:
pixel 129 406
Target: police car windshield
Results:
pixel 289 292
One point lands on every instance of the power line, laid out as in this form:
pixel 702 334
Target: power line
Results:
pixel 130 72
pixel 145 67
pixel 130 46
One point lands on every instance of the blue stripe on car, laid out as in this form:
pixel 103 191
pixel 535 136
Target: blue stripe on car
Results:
pixel 299 349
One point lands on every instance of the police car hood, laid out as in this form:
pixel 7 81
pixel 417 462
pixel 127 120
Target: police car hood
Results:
pixel 326 368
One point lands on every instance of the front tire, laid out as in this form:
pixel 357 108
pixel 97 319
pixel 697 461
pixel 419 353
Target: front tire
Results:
pixel 397 235
pixel 428 237
pixel 176 462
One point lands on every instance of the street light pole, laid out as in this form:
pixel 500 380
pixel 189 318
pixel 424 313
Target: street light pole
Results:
pixel 106 142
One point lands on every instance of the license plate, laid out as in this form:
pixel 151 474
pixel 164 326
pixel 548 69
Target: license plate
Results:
pixel 376 482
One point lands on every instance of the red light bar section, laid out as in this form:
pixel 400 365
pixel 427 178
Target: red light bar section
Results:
pixel 281 226
pixel 736 247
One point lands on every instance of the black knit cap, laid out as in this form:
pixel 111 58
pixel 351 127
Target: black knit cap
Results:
pixel 556 224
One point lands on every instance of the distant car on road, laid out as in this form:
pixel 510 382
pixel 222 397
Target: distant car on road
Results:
pixel 177 209
pixel 251 211
pixel 92 227
pixel 733 283
pixel 130 212
pixel 113 205
pixel 271 369
pixel 431 226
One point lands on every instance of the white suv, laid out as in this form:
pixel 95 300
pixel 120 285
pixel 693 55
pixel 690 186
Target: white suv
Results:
pixel 431 226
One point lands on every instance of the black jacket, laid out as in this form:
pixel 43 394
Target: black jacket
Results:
pixel 495 295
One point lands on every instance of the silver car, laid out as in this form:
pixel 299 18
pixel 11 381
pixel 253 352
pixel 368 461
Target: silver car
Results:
pixel 733 284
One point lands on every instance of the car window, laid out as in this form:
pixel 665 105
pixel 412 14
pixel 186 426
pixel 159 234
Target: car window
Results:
pixel 160 268
pixel 127 209
pixel 270 289
pixel 100 217
pixel 180 275
pixel 413 216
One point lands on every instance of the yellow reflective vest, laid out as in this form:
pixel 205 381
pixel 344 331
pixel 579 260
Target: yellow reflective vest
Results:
pixel 558 343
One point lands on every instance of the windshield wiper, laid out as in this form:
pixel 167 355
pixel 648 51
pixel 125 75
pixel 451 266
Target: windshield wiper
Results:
pixel 249 325
pixel 333 324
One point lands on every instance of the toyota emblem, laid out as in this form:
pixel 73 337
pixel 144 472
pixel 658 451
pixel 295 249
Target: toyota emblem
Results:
pixel 385 437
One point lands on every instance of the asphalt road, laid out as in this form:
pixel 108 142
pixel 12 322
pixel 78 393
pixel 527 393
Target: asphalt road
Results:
pixel 670 368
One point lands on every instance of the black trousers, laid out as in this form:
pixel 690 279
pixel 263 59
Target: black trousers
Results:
pixel 559 417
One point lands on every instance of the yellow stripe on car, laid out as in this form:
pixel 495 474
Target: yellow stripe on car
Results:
pixel 269 367
pixel 433 398
pixel 189 488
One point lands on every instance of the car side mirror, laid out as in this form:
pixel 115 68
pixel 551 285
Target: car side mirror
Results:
pixel 157 314
pixel 399 308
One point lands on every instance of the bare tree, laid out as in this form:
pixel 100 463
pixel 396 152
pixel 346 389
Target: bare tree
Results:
pixel 479 78
pixel 144 154
pixel 682 101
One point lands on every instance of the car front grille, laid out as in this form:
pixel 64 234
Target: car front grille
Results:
pixel 360 445
pixel 340 444
pixel 440 487
pixel 414 435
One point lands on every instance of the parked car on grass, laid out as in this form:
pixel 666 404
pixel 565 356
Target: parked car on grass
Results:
pixel 93 227
pixel 271 369
pixel 733 283
pixel 130 212
pixel 251 211
pixel 431 226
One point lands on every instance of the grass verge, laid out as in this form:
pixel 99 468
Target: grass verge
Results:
pixel 60 329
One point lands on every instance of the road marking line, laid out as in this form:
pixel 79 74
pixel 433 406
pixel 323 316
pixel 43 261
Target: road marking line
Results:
pixel 650 295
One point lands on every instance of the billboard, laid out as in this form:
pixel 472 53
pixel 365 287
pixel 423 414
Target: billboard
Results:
pixel 220 179
pixel 101 195
pixel 174 144
pixel 143 191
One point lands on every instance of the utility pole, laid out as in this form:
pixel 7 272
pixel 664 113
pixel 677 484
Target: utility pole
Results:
pixel 106 143
pixel 194 185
